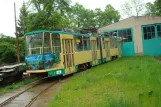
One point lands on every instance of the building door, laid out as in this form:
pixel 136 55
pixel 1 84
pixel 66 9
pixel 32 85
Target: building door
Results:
pixel 151 36
pixel 68 54
pixel 94 52
pixel 127 43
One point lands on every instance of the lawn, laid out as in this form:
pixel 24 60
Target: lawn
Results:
pixel 125 82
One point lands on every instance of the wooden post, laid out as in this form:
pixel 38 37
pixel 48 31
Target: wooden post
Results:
pixel 17 43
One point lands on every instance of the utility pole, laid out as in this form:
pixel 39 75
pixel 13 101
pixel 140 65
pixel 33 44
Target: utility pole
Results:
pixel 17 43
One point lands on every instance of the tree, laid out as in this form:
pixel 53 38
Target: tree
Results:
pixel 76 15
pixel 109 14
pixel 157 3
pixel 22 22
pixel 83 18
pixel 57 14
pixel 8 49
pixel 44 14
pixel 150 9
pixel 133 8
pixel 153 9
pixel 104 18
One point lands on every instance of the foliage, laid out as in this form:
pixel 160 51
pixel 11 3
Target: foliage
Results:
pixel 47 14
pixel 133 8
pixel 83 18
pixel 150 9
pixel 8 49
pixel 58 14
pixel 22 29
pixel 153 9
pixel 108 15
pixel 125 82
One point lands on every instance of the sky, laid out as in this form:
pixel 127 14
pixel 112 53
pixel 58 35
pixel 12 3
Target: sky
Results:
pixel 7 25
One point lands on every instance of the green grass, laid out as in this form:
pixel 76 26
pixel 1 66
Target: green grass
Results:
pixel 16 85
pixel 125 82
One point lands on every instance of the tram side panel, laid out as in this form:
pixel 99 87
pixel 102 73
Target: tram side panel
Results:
pixel 114 47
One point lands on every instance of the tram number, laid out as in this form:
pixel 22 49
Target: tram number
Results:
pixel 58 72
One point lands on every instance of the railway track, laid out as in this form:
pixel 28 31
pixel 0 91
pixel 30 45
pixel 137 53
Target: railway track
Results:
pixel 34 99
pixel 38 87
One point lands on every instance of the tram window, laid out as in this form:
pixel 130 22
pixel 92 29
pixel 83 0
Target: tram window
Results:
pixel 98 43
pixel 107 34
pixel 47 44
pixel 34 44
pixel 56 43
pixel 103 43
pixel 149 32
pixel 78 43
pixel 159 31
pixel 86 43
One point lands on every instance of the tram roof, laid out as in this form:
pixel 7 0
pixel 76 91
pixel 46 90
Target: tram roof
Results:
pixel 55 32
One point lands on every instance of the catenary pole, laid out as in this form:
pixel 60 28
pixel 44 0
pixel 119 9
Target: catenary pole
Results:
pixel 17 42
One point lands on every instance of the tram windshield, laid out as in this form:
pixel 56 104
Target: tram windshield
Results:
pixel 35 45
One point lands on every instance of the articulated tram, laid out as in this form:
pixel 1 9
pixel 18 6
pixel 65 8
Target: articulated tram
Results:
pixel 61 53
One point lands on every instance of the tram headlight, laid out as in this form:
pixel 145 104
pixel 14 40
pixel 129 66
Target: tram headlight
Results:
pixel 40 67
pixel 28 67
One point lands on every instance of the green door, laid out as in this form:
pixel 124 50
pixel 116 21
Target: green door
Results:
pixel 127 43
pixel 151 36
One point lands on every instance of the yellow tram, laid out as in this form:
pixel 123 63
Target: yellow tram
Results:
pixel 62 53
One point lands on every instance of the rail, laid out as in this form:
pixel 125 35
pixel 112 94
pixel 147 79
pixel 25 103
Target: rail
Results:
pixel 18 94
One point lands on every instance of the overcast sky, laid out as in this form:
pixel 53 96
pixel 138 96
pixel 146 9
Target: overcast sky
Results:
pixel 7 26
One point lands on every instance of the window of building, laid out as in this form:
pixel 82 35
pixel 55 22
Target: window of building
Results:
pixel 149 32
pixel 159 31
pixel 111 34
pixel 56 43
pixel 125 35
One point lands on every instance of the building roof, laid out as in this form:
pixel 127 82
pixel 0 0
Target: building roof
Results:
pixel 128 20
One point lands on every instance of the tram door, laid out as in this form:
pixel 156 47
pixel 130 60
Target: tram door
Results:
pixel 68 54
pixel 94 52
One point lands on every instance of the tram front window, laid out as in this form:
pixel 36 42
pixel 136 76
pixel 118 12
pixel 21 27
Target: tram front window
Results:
pixel 47 44
pixel 34 44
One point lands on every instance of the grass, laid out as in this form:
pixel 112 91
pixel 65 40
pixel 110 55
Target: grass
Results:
pixel 125 82
pixel 16 85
